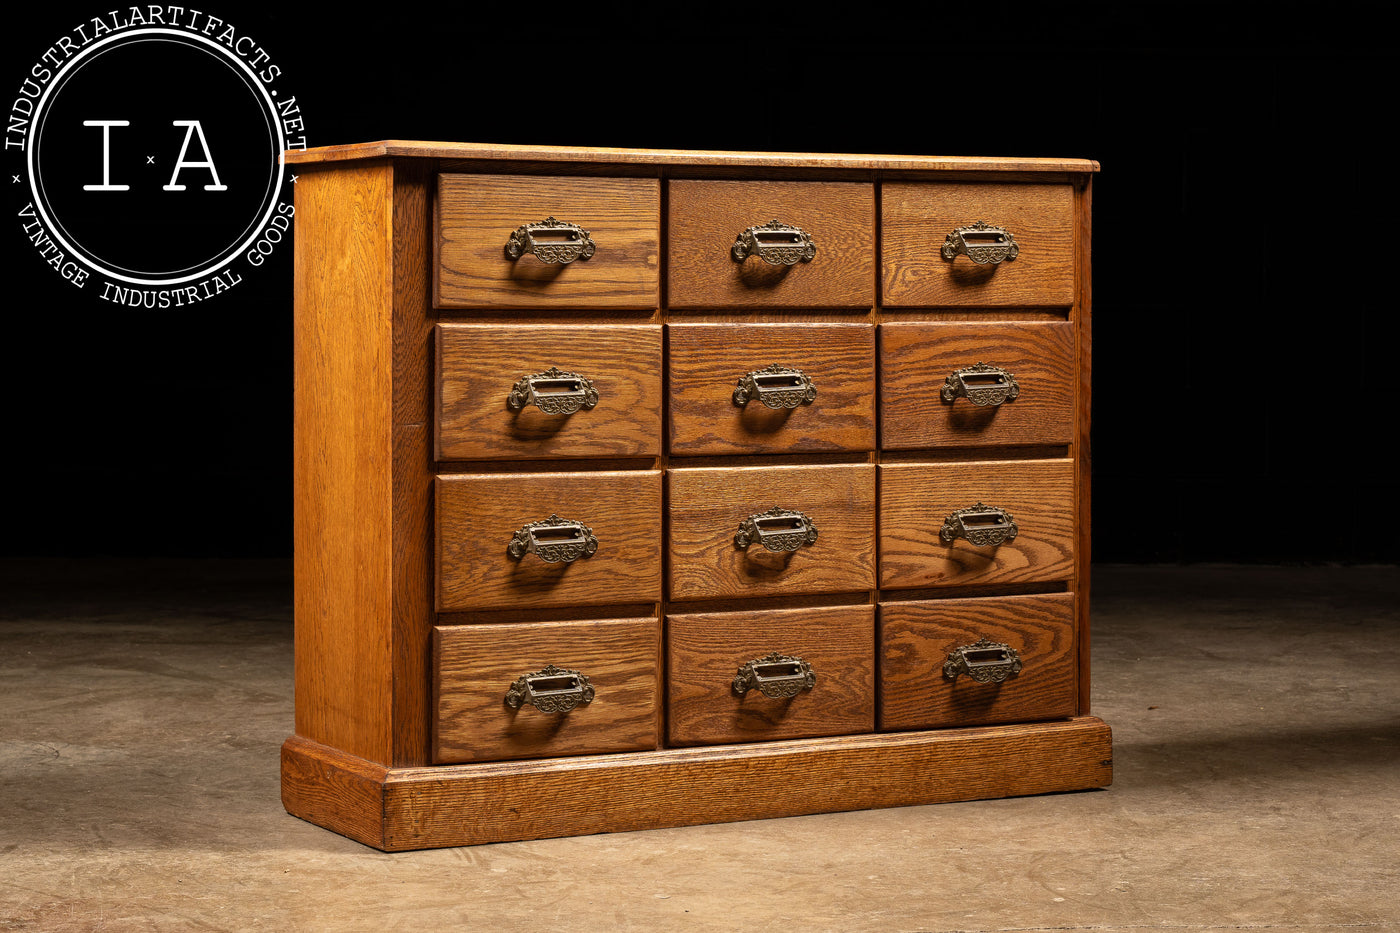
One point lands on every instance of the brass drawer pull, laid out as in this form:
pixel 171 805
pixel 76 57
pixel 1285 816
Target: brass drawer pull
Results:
pixel 555 540
pixel 553 392
pixel 552 690
pixel 552 241
pixel 984 661
pixel 981 385
pixel 776 676
pixel 777 529
pixel 982 525
pixel 775 243
pixel 981 243
pixel 776 387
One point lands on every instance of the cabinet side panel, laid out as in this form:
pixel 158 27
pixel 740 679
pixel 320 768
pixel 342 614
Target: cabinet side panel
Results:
pixel 342 459
pixel 413 466
pixel 1083 319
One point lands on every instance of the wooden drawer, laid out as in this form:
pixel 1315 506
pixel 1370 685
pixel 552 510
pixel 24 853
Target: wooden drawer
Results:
pixel 476 215
pixel 707 363
pixel 917 639
pixel 917 498
pixel 918 359
pixel 706 217
pixel 708 508
pixel 485 411
pixel 479 516
pixel 705 651
pixel 474 667
pixel 916 219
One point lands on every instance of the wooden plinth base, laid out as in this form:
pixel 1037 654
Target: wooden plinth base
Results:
pixel 397 809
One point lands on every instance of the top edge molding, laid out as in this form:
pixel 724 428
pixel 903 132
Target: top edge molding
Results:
pixel 398 148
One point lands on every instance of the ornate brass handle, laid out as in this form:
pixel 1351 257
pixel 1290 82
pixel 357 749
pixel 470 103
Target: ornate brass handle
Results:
pixel 776 676
pixel 551 690
pixel 981 243
pixel 981 385
pixel 552 241
pixel 776 387
pixel 775 243
pixel 555 541
pixel 553 392
pixel 777 529
pixel 982 525
pixel 984 661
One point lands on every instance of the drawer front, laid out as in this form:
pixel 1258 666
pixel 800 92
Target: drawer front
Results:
pixel 918 218
pixel 765 388
pixel 925 682
pixel 483 712
pixel 715 694
pixel 918 499
pixel 934 393
pixel 477 214
pixel 489 556
pixel 707 217
pixel 725 540
pixel 498 396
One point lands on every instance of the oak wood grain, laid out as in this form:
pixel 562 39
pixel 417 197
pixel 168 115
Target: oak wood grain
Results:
pixel 413 593
pixel 704 217
pixel 917 358
pixel 916 639
pixel 1082 452
pixel 476 215
pixel 412 325
pixel 478 514
pixel 976 314
pixel 706 509
pixel 471 804
pixel 474 666
pixel 817 171
pixel 334 790
pixel 706 361
pixel 916 498
pixel 682 158
pixel 972 454
pixel 412 464
pixel 916 217
pixel 374 549
pixel 705 650
pixel 478 364
pixel 590 464
pixel 342 455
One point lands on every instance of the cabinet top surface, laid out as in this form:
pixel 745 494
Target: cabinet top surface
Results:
pixel 398 148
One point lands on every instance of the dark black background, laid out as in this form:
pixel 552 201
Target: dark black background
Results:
pixel 1243 314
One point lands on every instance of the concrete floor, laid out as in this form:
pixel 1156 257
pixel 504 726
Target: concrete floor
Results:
pixel 1256 714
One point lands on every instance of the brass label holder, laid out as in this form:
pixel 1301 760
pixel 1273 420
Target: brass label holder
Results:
pixel 551 241
pixel 984 661
pixel 981 384
pixel 554 540
pixel 981 243
pixel 551 690
pixel 981 525
pixel 776 676
pixel 777 387
pixel 776 243
pixel 553 392
pixel 777 529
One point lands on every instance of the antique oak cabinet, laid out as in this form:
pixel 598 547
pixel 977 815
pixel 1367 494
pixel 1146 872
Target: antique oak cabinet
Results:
pixel 647 488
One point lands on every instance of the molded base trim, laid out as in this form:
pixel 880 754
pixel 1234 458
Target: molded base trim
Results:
pixel 397 809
